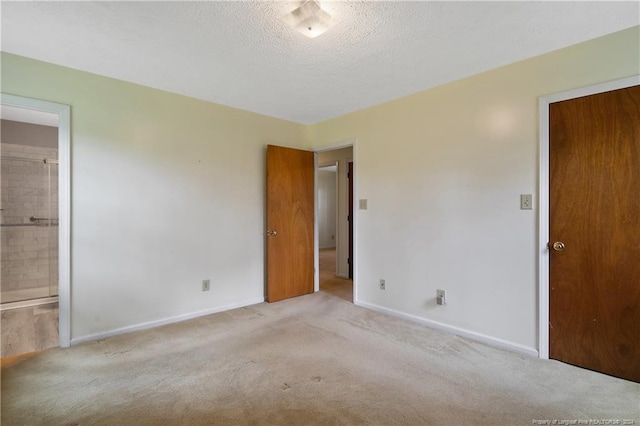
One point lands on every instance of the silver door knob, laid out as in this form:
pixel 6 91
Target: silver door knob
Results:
pixel 558 246
pixel 272 233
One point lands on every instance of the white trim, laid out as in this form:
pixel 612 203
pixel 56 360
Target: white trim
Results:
pixel 329 164
pixel 64 227
pixel 336 145
pixel 489 340
pixel 170 320
pixel 353 143
pixel 543 197
pixel 316 229
pixel 64 204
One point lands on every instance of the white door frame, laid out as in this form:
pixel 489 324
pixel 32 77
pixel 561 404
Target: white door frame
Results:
pixel 543 199
pixel 64 204
pixel 353 143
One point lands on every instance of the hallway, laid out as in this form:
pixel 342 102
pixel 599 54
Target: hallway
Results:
pixel 329 282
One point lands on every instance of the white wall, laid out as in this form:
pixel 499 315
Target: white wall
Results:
pixel 342 157
pixel 327 208
pixel 166 191
pixel 443 171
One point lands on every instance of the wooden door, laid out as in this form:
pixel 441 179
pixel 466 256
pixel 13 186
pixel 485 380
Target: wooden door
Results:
pixel 594 306
pixel 290 222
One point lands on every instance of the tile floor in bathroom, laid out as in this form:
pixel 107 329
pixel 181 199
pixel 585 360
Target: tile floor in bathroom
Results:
pixel 29 329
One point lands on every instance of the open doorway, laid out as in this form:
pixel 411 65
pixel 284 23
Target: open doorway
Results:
pixel 35 224
pixel 29 231
pixel 335 222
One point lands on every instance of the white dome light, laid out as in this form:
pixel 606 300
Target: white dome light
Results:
pixel 309 19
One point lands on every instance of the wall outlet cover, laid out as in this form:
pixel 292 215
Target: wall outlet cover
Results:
pixel 526 201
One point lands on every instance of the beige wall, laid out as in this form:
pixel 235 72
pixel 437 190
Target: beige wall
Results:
pixel 166 191
pixel 443 171
pixel 327 208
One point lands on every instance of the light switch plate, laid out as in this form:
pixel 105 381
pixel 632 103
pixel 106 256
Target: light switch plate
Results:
pixel 363 204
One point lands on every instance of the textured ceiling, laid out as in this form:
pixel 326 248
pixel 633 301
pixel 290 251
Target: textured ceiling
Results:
pixel 242 55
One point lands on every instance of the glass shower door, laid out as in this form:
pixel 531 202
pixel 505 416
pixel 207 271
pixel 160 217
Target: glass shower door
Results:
pixel 28 229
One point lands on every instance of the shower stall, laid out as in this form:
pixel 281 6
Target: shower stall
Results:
pixel 29 225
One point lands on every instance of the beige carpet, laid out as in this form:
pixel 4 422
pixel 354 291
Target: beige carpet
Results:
pixel 316 359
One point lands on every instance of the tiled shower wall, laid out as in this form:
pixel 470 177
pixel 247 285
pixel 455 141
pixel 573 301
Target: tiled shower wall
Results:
pixel 29 253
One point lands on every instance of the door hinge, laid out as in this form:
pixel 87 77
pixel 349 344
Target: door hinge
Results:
pixel 348 218
pixel 348 261
pixel 348 175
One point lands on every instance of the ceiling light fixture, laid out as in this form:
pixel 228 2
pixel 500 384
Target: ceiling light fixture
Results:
pixel 309 19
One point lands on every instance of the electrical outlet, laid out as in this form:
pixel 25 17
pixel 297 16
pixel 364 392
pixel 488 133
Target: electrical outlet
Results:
pixel 206 285
pixel 526 201
pixel 441 297
pixel 383 285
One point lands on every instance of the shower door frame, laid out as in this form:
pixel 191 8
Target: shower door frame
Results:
pixel 64 204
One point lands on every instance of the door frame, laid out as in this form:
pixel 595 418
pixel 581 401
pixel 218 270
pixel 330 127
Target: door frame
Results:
pixel 543 196
pixel 64 204
pixel 350 210
pixel 353 143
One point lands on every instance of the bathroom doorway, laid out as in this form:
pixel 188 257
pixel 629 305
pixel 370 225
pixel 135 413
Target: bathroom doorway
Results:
pixel 30 225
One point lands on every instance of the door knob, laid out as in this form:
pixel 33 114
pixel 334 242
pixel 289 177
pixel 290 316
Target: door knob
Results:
pixel 558 246
pixel 272 233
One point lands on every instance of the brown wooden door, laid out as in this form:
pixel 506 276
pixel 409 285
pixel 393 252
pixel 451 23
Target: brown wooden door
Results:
pixel 290 222
pixel 594 306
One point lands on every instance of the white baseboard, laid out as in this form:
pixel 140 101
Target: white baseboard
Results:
pixel 326 247
pixel 489 340
pixel 158 323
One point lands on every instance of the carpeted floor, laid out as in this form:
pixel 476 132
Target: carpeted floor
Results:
pixel 316 359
